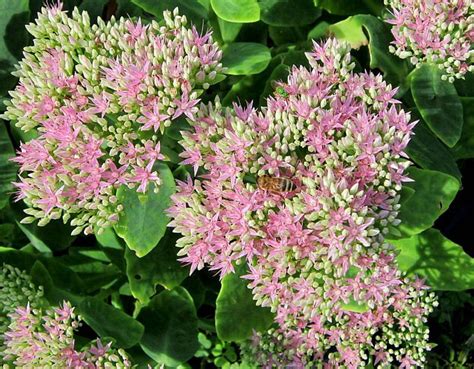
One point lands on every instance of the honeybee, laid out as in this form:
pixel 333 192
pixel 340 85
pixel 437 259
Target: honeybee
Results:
pixel 276 184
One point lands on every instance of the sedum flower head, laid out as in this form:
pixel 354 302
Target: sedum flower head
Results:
pixel 16 289
pixel 440 32
pixel 99 98
pixel 304 192
pixel 45 339
pixel 392 334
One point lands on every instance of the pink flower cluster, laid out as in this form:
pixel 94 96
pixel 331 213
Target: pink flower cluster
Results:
pixel 37 339
pixel 98 98
pixel 440 32
pixel 316 255
pixel 388 330
pixel 16 289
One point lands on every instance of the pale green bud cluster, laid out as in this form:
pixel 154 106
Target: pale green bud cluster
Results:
pixel 16 289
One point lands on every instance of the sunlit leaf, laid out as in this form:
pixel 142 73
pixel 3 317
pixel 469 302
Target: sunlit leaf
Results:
pixel 237 11
pixel 443 263
pixel 434 192
pixel 229 30
pixel 355 306
pixel 319 31
pixel 367 30
pixel 14 15
pixel 144 221
pixel 244 58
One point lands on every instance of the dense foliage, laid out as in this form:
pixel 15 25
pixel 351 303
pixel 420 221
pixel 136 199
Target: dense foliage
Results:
pixel 236 183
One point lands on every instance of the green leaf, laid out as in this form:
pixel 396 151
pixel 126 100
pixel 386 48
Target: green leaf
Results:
pixel 9 234
pixel 106 277
pixel 125 8
pixel 443 263
pixel 37 243
pixel 205 3
pixel 348 7
pixel 70 4
pixel 174 131
pixel 113 246
pixel 246 89
pixel 14 15
pixel 21 260
pixel 319 31
pixel 7 167
pixel 169 153
pixel 434 191
pixel 190 8
pixel 61 276
pixel 54 236
pixel 438 103
pixel 108 321
pixel 464 148
pixel 244 58
pixel 89 253
pixel 7 81
pixel 405 194
pixel 204 341
pixel 288 13
pixel 367 30
pixel 251 87
pixel 171 327
pixel 143 221
pixel 18 135
pixel 429 153
pixel 237 11
pixel 94 268
pixel 229 30
pixel 55 295
pixel 465 86
pixel 159 267
pixel 350 30
pixel 108 239
pixel 196 288
pixel 292 58
pixel 355 306
pixel 237 315
pixel 253 32
pixel 35 7
pixel 287 36
pixel 280 73
pixel 95 8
